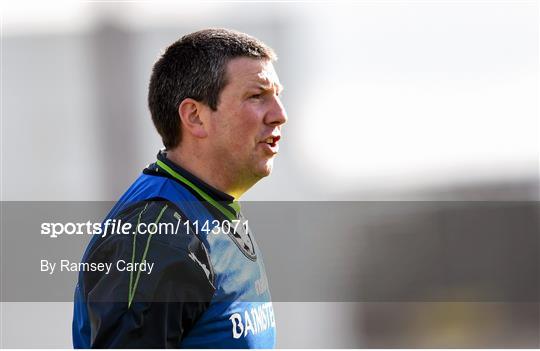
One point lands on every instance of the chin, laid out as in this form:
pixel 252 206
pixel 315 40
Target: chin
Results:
pixel 265 169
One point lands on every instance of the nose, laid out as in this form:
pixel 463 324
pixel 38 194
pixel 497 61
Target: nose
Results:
pixel 276 115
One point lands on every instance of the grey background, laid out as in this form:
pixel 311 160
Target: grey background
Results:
pixel 411 100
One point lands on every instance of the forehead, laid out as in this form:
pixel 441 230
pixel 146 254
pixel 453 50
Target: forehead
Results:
pixel 246 71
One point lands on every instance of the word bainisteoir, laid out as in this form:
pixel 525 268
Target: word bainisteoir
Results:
pixel 116 227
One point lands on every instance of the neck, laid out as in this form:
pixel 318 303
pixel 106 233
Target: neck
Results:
pixel 203 168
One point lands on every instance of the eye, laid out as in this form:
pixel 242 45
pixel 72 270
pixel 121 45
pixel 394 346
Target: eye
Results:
pixel 256 96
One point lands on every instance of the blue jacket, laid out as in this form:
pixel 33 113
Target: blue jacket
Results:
pixel 207 287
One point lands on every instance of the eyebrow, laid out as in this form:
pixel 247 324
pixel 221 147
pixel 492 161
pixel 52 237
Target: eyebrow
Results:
pixel 268 86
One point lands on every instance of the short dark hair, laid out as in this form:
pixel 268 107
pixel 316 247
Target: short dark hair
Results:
pixel 195 67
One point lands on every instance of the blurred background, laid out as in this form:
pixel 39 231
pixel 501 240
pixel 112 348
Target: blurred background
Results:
pixel 387 101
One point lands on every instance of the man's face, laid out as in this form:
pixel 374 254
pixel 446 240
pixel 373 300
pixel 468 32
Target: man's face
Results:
pixel 245 129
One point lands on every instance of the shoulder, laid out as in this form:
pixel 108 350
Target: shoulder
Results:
pixel 158 231
pixel 158 217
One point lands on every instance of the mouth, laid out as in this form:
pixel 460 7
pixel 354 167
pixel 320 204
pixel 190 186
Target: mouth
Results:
pixel 271 144
pixel 272 140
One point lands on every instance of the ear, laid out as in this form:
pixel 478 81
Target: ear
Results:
pixel 190 115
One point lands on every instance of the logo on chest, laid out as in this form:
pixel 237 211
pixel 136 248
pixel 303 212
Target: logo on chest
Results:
pixel 240 234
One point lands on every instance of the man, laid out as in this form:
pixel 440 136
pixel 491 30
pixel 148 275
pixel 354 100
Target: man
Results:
pixel 213 97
